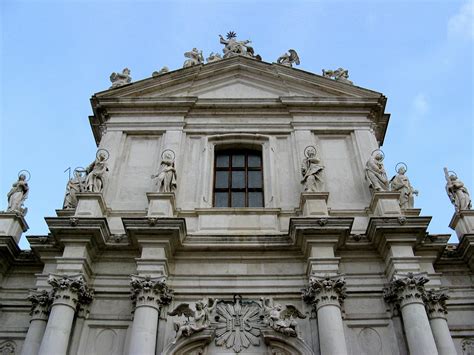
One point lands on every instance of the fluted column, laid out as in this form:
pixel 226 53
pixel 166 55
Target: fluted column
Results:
pixel 435 301
pixel 40 307
pixel 406 292
pixel 69 292
pixel 148 295
pixel 326 294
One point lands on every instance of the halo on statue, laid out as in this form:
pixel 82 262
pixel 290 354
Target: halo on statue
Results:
pixel 166 151
pixel 402 164
pixel 306 150
pixel 378 150
pixel 80 170
pixel 26 173
pixel 102 150
pixel 450 172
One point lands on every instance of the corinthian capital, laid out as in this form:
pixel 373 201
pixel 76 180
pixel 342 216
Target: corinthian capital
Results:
pixel 40 304
pixel 404 290
pixel 435 302
pixel 151 292
pixel 322 291
pixel 70 290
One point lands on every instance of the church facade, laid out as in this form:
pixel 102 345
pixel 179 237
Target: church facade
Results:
pixel 232 209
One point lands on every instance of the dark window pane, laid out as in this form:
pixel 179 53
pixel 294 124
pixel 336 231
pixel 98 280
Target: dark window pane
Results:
pixel 255 199
pixel 255 179
pixel 238 199
pixel 254 160
pixel 222 179
pixel 238 179
pixel 221 199
pixel 238 161
pixel 222 161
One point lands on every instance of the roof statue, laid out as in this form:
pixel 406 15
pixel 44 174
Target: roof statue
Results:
pixel 375 172
pixel 18 194
pixel 289 58
pixel 340 74
pixel 234 47
pixel 401 183
pixel 118 79
pixel 162 71
pixel 195 58
pixel 214 57
pixel 457 192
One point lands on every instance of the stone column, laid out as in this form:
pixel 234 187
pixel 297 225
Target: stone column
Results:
pixel 41 304
pixel 148 295
pixel 326 294
pixel 435 301
pixel 69 292
pixel 406 292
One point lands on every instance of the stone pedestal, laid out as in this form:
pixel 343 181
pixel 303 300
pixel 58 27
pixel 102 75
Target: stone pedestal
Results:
pixel 463 223
pixel 90 204
pixel 326 295
pixel 12 225
pixel 69 292
pixel 148 295
pixel 385 203
pixel 161 204
pixel 406 292
pixel 314 204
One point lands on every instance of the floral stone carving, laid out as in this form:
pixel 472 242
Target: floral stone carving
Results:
pixel 435 303
pixel 148 291
pixel 407 289
pixel 327 290
pixel 70 290
pixel 40 304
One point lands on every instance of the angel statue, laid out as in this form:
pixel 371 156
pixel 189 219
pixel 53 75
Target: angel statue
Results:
pixel 195 58
pixel 375 172
pixel 214 57
pixel 289 58
pixel 311 171
pixel 457 192
pixel 166 173
pixel 17 195
pixel 234 47
pixel 195 321
pixel 118 79
pixel 283 320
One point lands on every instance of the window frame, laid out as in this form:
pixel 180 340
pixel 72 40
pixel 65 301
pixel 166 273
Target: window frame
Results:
pixel 230 152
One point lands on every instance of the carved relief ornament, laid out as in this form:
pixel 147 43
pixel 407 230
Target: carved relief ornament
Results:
pixel 435 303
pixel 40 304
pixel 404 290
pixel 327 290
pixel 70 290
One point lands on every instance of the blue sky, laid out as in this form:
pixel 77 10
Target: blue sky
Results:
pixel 56 54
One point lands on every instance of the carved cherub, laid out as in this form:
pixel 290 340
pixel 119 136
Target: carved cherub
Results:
pixel 283 320
pixel 195 321
pixel 195 58
pixel 120 79
pixel 289 58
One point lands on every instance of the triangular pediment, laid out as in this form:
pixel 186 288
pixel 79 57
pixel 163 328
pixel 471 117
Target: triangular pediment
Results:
pixel 238 78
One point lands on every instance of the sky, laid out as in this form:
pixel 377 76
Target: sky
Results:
pixel 56 54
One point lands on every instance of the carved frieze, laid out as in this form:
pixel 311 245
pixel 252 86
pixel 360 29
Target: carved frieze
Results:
pixel 328 290
pixel 40 304
pixel 435 303
pixel 70 290
pixel 404 290
pixel 8 348
pixel 148 291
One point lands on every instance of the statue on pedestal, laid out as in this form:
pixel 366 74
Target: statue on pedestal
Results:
pixel 401 183
pixel 457 192
pixel 166 173
pixel 375 172
pixel 195 58
pixel 18 194
pixel 96 171
pixel 289 58
pixel 120 79
pixel 75 185
pixel 195 321
pixel 311 171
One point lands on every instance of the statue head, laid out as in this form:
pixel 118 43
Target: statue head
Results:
pixel 102 156
pixel 199 305
pixel 126 71
pixel 311 153
pixel 379 156
pixel 22 177
pixel 453 177
pixel 278 307
pixel 402 170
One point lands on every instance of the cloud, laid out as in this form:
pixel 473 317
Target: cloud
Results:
pixel 420 104
pixel 461 25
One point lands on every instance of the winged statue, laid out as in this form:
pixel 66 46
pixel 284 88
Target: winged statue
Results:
pixel 120 79
pixel 289 58
pixel 282 319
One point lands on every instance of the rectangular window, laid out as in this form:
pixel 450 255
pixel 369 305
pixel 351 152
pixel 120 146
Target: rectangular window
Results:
pixel 238 178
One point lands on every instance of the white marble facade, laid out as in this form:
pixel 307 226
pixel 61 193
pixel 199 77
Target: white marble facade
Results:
pixel 113 268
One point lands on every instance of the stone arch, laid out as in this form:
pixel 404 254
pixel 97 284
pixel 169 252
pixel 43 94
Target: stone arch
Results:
pixel 282 345
pixel 196 344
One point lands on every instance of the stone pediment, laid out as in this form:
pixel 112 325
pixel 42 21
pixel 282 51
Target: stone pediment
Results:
pixel 238 78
